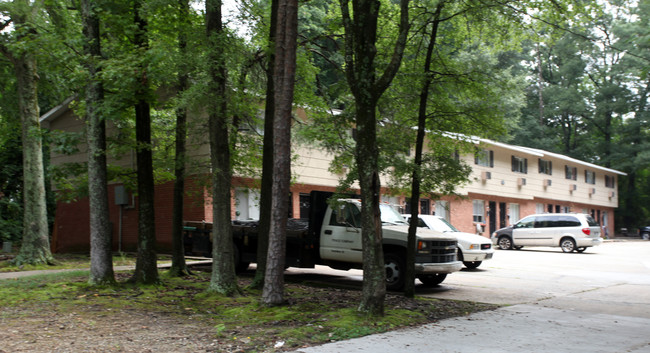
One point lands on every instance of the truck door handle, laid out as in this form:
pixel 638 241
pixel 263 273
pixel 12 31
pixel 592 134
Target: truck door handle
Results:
pixel 328 232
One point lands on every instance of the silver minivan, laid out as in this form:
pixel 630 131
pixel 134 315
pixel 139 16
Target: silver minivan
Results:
pixel 569 231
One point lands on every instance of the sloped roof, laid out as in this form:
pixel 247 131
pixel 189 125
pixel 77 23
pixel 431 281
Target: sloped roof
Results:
pixel 57 111
pixel 541 153
pixel 63 107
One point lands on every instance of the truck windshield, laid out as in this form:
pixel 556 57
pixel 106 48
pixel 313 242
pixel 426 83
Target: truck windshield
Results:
pixel 390 215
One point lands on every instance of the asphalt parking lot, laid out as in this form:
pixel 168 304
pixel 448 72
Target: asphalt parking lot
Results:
pixel 596 301
pixel 613 278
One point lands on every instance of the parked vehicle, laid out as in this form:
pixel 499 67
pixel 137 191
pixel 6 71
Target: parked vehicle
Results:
pixel 472 249
pixel 332 237
pixel 569 231
pixel 645 232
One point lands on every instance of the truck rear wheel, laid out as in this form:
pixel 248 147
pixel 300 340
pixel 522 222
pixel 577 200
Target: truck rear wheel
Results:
pixel 395 271
pixel 239 265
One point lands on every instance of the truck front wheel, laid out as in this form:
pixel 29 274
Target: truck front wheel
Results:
pixel 432 280
pixel 395 271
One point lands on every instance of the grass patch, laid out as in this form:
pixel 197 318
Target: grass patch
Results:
pixel 313 315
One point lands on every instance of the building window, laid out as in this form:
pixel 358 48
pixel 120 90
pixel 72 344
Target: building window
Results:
pixel 539 208
pixel 478 213
pixel 247 204
pixel 425 206
pixel 519 165
pixel 394 202
pixel 442 209
pixel 590 177
pixel 545 167
pixel 571 172
pixel 304 200
pixel 610 181
pixel 484 158
pixel 513 213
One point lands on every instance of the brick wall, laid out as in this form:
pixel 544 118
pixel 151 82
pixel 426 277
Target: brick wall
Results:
pixel 71 233
pixel 72 220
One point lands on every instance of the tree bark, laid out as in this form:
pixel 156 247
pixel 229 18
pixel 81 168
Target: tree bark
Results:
pixel 360 53
pixel 540 86
pixel 146 270
pixel 101 259
pixel 179 266
pixel 267 158
pixel 409 284
pixel 35 248
pixel 223 278
pixel 284 76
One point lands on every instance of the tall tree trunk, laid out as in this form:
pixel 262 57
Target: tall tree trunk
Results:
pixel 146 270
pixel 540 86
pixel 35 247
pixel 283 76
pixel 360 52
pixel 101 259
pixel 179 266
pixel 223 278
pixel 409 284
pixel 267 157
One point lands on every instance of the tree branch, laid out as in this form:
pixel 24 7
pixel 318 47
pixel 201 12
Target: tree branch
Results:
pixel 400 45
pixel 349 44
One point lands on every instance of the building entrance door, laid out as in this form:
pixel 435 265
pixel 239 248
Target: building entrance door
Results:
pixel 502 215
pixel 492 216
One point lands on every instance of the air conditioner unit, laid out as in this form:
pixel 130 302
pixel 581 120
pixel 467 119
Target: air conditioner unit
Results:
pixel 573 187
pixel 592 191
pixel 121 195
pixel 486 175
pixel 547 182
pixel 521 181
pixel 612 194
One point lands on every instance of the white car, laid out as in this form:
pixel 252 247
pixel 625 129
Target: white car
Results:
pixel 472 249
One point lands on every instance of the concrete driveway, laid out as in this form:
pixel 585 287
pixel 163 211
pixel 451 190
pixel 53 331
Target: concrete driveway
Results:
pixel 597 301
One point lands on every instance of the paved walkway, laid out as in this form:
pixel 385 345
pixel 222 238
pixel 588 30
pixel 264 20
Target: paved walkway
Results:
pixel 11 275
pixel 517 328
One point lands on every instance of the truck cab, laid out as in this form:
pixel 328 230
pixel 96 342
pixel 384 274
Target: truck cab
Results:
pixel 341 244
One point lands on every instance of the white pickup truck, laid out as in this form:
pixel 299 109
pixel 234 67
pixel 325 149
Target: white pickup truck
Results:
pixel 332 237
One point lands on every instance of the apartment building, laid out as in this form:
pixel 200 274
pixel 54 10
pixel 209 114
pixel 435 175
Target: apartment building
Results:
pixel 507 183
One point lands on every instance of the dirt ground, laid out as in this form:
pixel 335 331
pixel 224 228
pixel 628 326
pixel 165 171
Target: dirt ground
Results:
pixel 43 327
pixel 108 331
pixel 96 329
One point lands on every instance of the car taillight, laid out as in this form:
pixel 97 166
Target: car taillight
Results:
pixel 587 231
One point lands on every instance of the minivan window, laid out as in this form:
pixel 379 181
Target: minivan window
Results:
pixel 545 222
pixel 527 222
pixel 567 221
pixel 591 221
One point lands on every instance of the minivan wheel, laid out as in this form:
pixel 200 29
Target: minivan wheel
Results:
pixel 505 242
pixel 567 245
